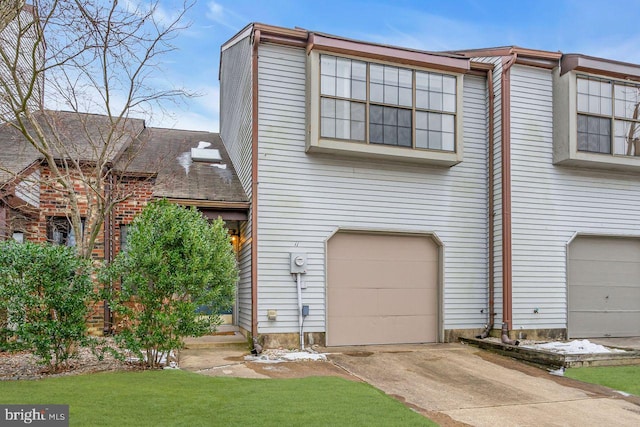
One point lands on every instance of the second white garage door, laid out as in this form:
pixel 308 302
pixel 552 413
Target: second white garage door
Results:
pixel 381 289
pixel 604 287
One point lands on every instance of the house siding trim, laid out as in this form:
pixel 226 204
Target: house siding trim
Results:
pixel 507 260
pixel 490 202
pixel 254 183
pixel 444 62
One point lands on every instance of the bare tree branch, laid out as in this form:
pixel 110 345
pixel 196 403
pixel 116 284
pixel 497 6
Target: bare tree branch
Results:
pixel 85 57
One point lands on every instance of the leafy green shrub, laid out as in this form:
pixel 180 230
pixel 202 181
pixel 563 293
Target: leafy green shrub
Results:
pixel 44 295
pixel 175 262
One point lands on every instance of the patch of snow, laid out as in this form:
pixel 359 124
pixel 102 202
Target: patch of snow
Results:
pixel 558 372
pixel 303 355
pixel 185 161
pixel 574 347
pixel 279 356
pixel 203 144
pixel 219 166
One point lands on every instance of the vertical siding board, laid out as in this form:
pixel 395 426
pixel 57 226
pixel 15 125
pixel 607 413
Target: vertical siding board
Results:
pixel 24 52
pixel 235 131
pixel 304 198
pixel 235 117
pixel 552 203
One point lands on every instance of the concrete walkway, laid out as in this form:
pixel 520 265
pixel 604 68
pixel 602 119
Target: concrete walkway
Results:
pixel 453 384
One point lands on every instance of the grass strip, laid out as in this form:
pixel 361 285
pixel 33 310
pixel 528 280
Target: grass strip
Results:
pixel 179 398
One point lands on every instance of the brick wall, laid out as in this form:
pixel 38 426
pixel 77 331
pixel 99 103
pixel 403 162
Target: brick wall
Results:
pixel 53 203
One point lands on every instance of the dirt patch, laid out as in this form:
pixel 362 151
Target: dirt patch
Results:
pixel 301 370
pixel 358 353
pixel 26 366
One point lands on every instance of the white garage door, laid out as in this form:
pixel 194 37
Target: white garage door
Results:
pixel 381 289
pixel 604 287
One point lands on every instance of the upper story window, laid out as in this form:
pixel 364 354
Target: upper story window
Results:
pixel 388 105
pixel 383 110
pixel 607 116
pixel 596 117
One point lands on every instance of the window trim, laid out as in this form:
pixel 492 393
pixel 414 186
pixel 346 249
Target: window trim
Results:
pixel 565 126
pixel 316 144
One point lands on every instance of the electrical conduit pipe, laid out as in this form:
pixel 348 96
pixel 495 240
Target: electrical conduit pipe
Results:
pixel 300 317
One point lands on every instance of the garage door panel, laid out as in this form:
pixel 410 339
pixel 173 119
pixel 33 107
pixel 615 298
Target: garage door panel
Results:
pixel 366 301
pixel 605 249
pixel 598 271
pixel 603 287
pixel 382 330
pixel 405 302
pixel 377 247
pixel 605 324
pixel 383 273
pixel 606 297
pixel 381 289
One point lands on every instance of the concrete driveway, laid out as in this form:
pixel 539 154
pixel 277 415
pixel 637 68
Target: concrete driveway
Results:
pixel 455 385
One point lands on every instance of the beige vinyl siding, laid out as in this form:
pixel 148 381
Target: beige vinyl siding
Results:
pixel 235 131
pixel 553 203
pixel 305 198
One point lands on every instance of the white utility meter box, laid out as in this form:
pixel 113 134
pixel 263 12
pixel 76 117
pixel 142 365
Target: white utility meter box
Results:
pixel 298 262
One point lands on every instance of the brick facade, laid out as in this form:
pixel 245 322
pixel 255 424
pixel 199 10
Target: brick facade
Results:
pixel 53 203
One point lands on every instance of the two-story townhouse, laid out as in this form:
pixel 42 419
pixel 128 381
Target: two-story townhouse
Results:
pixel 403 196
pixel 566 129
pixel 369 163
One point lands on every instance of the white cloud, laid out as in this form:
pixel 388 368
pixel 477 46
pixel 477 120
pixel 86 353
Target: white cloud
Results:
pixel 187 120
pixel 618 48
pixel 199 113
pixel 430 32
pixel 225 17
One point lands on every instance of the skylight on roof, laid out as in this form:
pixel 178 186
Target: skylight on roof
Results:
pixel 210 155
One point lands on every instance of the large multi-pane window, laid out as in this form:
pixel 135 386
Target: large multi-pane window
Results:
pixel 608 119
pixel 387 105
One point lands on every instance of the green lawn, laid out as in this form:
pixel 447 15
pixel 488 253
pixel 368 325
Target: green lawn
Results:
pixel 178 398
pixel 622 378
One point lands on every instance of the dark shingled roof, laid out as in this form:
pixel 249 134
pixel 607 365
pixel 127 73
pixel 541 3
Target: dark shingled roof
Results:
pixel 137 150
pixel 81 137
pixel 167 153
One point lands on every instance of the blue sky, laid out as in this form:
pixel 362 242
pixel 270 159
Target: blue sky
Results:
pixel 604 29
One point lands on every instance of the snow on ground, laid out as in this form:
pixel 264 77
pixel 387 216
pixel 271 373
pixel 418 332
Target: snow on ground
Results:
pixel 278 356
pixel 574 347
